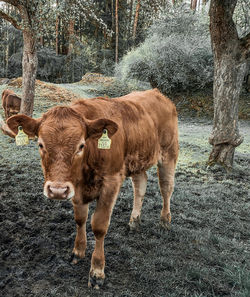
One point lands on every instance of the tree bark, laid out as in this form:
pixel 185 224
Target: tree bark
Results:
pixel 64 46
pixel 71 32
pixel 229 69
pixel 42 41
pixel 112 13
pixel 57 31
pixel 193 4
pixel 29 64
pixel 228 78
pixel 136 19
pixel 130 19
pixel 116 32
pixel 57 35
pixel 7 54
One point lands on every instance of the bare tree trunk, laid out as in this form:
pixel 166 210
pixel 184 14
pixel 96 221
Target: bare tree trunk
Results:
pixel 112 13
pixel 29 72
pixel 228 78
pixel 64 47
pixel 57 31
pixel 42 41
pixel 130 18
pixel 136 19
pixel 116 31
pixel 7 53
pixel 229 67
pixel 71 32
pixel 193 4
pixel 29 61
pixel 128 27
pixel 57 36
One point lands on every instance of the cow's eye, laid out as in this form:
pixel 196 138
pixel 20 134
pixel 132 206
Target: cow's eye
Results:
pixel 81 146
pixel 40 145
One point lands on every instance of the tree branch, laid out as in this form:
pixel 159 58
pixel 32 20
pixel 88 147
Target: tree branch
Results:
pixel 10 19
pixel 12 2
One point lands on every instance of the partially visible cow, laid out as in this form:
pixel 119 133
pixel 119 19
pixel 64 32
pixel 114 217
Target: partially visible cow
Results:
pixel 11 103
pixel 143 130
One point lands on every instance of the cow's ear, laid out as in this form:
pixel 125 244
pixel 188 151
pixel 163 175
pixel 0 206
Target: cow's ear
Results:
pixel 30 125
pixel 96 127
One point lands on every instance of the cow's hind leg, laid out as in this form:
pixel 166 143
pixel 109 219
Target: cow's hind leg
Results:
pixel 81 215
pixel 166 171
pixel 139 182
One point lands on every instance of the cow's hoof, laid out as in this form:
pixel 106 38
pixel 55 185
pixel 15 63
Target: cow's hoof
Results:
pixel 134 224
pixel 95 282
pixel 165 224
pixel 77 255
pixel 74 259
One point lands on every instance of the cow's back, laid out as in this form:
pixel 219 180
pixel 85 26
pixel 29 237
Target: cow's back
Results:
pixel 10 99
pixel 13 101
pixel 160 109
pixel 155 130
pixel 5 94
pixel 147 122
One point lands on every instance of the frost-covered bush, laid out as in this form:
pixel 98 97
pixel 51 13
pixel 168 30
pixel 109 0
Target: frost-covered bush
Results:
pixel 175 56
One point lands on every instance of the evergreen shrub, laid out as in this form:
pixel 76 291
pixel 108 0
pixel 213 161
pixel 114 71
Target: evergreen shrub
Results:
pixel 175 56
pixel 53 68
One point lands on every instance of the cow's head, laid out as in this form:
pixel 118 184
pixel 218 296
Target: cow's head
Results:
pixel 62 138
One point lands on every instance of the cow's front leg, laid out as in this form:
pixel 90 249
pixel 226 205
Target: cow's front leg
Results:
pixel 81 215
pixel 100 223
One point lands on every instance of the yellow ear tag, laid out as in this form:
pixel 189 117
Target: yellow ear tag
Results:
pixel 104 142
pixel 21 138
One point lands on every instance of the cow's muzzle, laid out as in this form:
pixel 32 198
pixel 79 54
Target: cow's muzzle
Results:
pixel 58 190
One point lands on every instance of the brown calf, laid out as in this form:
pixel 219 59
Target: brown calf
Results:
pixel 143 130
pixel 11 103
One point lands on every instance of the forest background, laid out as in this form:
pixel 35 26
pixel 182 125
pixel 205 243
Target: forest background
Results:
pixel 140 43
pixel 164 42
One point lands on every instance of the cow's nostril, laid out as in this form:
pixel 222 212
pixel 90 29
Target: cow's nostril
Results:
pixel 66 192
pixel 56 191
pixel 50 193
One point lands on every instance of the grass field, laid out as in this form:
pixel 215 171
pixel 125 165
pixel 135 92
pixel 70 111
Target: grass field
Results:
pixel 206 252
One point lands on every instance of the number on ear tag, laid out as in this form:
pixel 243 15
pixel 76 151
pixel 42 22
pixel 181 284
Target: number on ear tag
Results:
pixel 21 138
pixel 104 142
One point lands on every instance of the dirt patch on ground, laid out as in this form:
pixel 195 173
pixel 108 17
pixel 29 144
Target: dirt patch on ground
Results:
pixel 47 90
pixel 97 78
pixel 206 252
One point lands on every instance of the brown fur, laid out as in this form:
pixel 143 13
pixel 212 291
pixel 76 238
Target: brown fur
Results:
pixel 144 131
pixel 11 103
